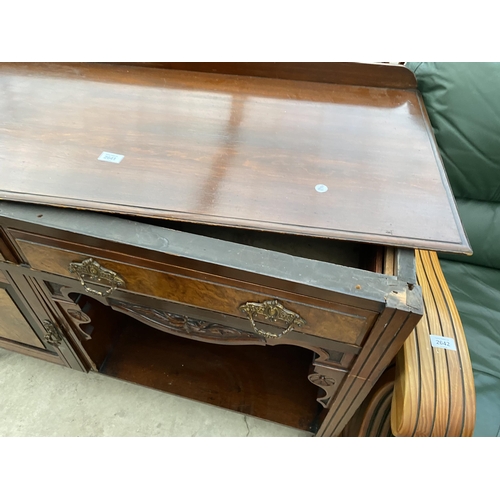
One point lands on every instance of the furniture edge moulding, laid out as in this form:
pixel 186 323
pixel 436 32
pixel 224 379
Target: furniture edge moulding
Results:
pixel 403 310
pixel 343 73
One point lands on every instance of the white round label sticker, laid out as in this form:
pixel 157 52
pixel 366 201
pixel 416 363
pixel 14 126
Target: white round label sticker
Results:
pixel 321 188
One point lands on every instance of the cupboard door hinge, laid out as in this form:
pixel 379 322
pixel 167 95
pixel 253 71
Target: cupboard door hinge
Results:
pixel 53 335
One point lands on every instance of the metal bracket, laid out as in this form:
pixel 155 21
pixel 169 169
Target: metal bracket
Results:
pixel 53 336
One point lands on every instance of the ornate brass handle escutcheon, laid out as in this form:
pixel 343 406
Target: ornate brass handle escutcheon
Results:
pixel 273 311
pixel 91 270
pixel 52 336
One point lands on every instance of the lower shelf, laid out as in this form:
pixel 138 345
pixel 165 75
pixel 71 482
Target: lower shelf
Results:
pixel 266 382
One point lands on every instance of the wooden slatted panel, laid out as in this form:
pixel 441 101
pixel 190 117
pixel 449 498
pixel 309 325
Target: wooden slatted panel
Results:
pixel 434 389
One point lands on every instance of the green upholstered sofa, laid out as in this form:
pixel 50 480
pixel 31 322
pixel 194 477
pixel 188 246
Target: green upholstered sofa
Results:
pixel 463 103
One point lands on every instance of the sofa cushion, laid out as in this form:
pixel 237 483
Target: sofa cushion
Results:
pixel 463 103
pixel 487 418
pixel 481 222
pixel 476 291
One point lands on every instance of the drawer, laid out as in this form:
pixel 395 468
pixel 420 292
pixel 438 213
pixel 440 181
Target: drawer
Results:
pixel 198 288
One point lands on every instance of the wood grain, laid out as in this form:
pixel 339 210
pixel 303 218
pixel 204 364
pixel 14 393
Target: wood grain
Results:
pixel 227 150
pixel 372 75
pixel 13 325
pixel 267 382
pixel 327 324
pixel 210 258
pixel 434 391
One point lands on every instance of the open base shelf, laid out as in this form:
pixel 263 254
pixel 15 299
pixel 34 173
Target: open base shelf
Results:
pixel 262 381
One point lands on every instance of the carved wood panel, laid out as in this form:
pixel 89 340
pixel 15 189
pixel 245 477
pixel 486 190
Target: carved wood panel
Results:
pixel 187 327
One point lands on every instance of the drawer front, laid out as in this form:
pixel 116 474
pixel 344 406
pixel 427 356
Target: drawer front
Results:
pixel 207 291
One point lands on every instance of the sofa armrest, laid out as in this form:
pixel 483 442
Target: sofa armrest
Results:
pixel 434 391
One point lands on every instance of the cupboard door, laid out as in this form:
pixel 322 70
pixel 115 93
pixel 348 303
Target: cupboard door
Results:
pixel 27 325
pixel 13 324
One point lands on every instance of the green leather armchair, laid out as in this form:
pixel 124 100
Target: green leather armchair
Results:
pixel 430 392
pixel 463 103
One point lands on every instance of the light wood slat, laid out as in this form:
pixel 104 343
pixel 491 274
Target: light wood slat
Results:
pixel 434 388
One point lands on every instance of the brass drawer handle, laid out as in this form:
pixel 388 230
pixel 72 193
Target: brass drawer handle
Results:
pixel 91 270
pixel 272 310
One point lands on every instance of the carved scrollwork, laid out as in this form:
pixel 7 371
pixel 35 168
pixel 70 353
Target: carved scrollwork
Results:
pixel 273 311
pixel 185 326
pixel 321 380
pixel 327 384
pixel 328 379
pixel 78 315
pixel 91 270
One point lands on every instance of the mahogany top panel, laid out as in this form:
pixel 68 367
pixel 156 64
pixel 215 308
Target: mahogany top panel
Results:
pixel 231 150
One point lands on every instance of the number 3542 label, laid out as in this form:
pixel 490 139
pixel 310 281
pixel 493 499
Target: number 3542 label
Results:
pixel 443 342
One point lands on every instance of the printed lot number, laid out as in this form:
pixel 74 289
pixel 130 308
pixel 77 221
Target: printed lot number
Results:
pixel 443 342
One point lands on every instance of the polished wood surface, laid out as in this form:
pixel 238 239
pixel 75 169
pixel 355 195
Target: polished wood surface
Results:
pixel 434 391
pixel 13 325
pixel 372 75
pixel 227 150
